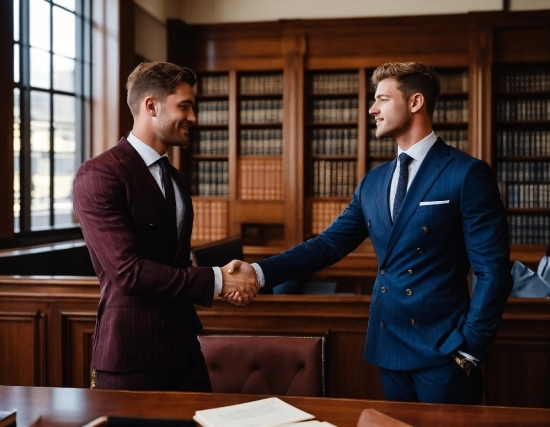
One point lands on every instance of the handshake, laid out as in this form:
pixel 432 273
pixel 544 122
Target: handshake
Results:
pixel 240 284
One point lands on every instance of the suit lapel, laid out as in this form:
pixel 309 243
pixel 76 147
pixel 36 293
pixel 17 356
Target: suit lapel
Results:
pixel 434 163
pixel 141 174
pixel 384 196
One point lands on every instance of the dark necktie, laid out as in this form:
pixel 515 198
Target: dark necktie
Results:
pixel 404 160
pixel 169 193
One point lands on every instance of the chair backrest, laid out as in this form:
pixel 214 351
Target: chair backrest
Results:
pixel 218 252
pixel 275 365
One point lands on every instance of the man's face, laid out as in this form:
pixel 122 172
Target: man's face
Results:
pixel 390 110
pixel 174 116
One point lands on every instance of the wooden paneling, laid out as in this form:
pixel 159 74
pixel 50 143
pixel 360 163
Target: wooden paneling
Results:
pixel 77 341
pixel 517 371
pixel 22 342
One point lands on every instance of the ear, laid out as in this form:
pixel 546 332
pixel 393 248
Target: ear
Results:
pixel 416 101
pixel 150 106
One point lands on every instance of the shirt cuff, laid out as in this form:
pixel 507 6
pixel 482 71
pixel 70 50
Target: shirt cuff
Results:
pixel 218 280
pixel 259 274
pixel 469 356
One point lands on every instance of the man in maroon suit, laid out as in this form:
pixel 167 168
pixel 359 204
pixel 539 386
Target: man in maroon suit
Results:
pixel 136 215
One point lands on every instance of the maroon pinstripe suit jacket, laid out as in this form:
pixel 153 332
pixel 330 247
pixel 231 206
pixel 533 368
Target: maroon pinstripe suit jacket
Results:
pixel 145 320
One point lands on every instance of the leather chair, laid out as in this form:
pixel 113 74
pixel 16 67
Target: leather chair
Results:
pixel 218 252
pixel 274 365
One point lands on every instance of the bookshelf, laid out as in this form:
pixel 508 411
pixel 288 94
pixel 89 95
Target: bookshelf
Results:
pixel 332 140
pixel 450 120
pixel 209 160
pixel 522 139
pixel 324 129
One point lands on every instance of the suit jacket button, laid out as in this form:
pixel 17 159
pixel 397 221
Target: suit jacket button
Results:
pixel 410 271
pixel 409 292
pixel 151 225
pixel 383 324
pixel 382 271
pixel 412 321
pixel 425 230
pixel 420 251
pixel 368 224
pixel 383 289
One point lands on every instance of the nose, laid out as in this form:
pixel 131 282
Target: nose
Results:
pixel 373 109
pixel 191 117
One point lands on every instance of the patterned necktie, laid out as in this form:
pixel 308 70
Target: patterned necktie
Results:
pixel 169 193
pixel 404 160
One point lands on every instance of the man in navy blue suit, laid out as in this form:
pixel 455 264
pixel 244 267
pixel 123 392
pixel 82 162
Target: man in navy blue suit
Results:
pixel 431 213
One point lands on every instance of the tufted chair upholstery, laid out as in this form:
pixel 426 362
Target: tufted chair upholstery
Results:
pixel 274 365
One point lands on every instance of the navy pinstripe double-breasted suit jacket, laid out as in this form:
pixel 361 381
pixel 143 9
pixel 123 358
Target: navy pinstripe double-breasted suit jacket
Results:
pixel 421 310
pixel 145 319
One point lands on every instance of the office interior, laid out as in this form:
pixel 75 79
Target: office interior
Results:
pixel 48 294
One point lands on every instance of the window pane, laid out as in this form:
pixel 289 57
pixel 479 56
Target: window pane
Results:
pixel 67 4
pixel 16 20
pixel 63 73
pixel 16 63
pixel 63 109
pixel 63 32
pixel 40 68
pixel 40 174
pixel 40 24
pixel 16 157
pixel 64 165
pixel 40 106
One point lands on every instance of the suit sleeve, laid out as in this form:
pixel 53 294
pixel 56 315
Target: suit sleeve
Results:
pixel 345 233
pixel 486 237
pixel 100 202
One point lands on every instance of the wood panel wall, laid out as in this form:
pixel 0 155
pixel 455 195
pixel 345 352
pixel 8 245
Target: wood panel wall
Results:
pixel 47 326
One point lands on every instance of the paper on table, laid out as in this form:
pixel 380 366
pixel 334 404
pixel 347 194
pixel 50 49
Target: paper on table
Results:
pixel 259 413
pixel 313 423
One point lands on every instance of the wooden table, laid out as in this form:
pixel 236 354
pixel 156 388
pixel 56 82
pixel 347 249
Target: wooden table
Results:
pixel 45 406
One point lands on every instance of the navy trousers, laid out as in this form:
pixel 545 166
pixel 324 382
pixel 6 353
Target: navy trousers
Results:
pixel 447 383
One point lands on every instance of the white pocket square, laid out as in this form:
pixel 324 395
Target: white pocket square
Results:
pixel 435 202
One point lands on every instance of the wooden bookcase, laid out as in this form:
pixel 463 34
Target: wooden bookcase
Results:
pixel 325 133
pixel 522 140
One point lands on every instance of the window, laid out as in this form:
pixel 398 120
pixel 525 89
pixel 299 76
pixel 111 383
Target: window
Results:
pixel 51 108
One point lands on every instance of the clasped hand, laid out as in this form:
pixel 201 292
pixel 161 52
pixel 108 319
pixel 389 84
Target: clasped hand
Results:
pixel 240 285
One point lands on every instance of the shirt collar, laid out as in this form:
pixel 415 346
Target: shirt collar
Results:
pixel 148 154
pixel 419 150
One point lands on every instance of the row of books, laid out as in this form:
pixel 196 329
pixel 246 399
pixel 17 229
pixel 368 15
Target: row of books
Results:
pixel 334 178
pixel 381 146
pixel 334 141
pixel 211 178
pixel 457 138
pixel 210 221
pixel 260 179
pixel 525 79
pixel 523 142
pixel 523 109
pixel 261 111
pixel 529 229
pixel 261 142
pixel 210 142
pixel 323 213
pixel 214 85
pixel 523 171
pixel 260 84
pixel 453 82
pixel 526 196
pixel 334 110
pixel 335 83
pixel 451 110
pixel 212 112
pixel 375 163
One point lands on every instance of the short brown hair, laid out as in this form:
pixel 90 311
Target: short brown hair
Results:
pixel 156 78
pixel 412 77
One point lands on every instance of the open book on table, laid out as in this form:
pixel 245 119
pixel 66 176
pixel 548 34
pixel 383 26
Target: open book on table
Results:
pixel 268 412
